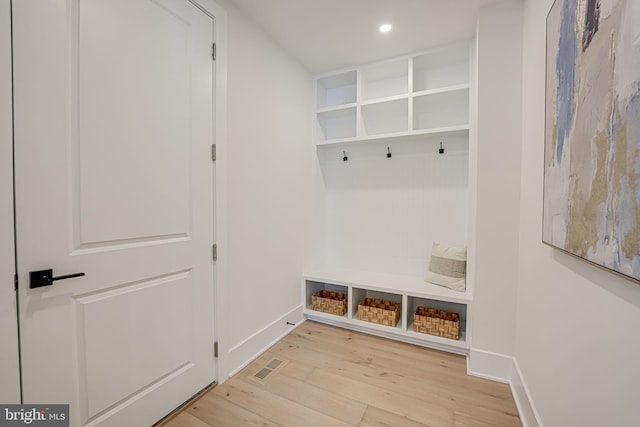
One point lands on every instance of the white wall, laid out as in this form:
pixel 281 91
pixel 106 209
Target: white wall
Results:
pixel 384 214
pixel 498 48
pixel 269 188
pixel 9 382
pixel 577 339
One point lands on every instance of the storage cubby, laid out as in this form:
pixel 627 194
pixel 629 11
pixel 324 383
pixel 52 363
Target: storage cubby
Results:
pixel 441 110
pixel 441 69
pixel 337 124
pixel 335 90
pixel 360 294
pixel 414 302
pixel 409 292
pixel 384 80
pixel 385 117
pixel 313 287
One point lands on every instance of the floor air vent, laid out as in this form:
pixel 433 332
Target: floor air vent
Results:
pixel 274 363
pixel 267 371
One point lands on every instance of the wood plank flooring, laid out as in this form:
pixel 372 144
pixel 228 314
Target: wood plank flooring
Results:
pixel 335 377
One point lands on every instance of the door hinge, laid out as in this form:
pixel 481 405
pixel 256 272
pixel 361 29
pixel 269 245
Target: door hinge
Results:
pixel 215 251
pixel 15 281
pixel 215 349
pixel 213 152
pixel 213 51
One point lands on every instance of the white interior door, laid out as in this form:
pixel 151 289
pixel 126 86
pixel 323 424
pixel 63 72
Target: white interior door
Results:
pixel 114 179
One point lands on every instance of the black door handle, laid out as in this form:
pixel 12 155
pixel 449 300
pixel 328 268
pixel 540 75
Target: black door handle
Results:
pixel 40 278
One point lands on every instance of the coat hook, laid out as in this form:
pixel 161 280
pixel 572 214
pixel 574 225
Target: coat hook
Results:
pixel 345 158
pixel 441 150
pixel 388 153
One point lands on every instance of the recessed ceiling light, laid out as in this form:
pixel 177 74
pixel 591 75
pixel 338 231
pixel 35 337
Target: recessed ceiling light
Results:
pixel 385 28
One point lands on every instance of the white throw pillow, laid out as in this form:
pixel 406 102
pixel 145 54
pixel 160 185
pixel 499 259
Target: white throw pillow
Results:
pixel 448 266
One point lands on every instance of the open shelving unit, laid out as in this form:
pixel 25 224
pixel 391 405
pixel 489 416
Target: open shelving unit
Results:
pixel 410 292
pixel 419 94
pixel 378 214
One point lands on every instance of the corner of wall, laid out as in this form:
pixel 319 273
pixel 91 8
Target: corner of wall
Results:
pixel 505 369
pixel 489 365
pixel 526 409
pixel 497 200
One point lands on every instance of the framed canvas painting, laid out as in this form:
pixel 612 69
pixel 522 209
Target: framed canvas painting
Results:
pixel 592 133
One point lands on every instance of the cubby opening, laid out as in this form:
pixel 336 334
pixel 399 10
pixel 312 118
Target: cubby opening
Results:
pixel 384 80
pixel 313 288
pixel 359 295
pixel 335 90
pixel 385 117
pixel 441 69
pixel 337 124
pixel 414 302
pixel 441 110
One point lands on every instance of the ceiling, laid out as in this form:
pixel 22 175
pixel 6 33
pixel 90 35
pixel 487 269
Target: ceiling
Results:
pixel 326 35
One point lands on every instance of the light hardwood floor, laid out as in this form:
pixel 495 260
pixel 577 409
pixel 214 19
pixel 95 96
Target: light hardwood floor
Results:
pixel 335 377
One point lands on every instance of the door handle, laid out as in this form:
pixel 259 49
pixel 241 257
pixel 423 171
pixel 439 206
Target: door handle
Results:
pixel 40 278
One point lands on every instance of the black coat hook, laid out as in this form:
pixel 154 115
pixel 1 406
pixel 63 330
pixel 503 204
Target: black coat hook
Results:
pixel 388 153
pixel 441 150
pixel 345 158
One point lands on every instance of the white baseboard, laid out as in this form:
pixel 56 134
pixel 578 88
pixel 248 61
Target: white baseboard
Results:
pixel 505 369
pixel 492 366
pixel 249 349
pixel 524 403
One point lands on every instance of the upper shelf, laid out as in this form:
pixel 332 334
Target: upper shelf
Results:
pixel 436 132
pixel 419 94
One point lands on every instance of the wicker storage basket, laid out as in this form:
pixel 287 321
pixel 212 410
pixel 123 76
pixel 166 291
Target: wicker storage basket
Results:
pixel 438 322
pixel 329 302
pixel 379 311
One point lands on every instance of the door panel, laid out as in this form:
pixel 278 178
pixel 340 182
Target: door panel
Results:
pixel 142 78
pixel 144 355
pixel 113 128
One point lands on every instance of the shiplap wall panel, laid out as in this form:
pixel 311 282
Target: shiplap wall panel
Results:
pixel 383 214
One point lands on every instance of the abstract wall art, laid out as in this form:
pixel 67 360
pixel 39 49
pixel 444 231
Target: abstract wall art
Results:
pixel 591 189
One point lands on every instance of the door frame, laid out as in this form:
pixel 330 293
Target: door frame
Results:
pixel 7 254
pixel 9 351
pixel 220 223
